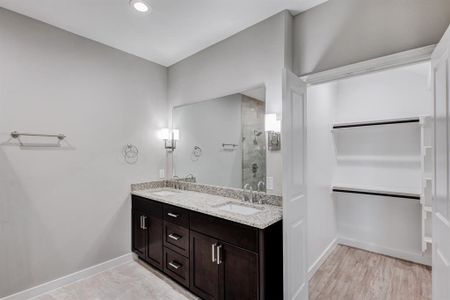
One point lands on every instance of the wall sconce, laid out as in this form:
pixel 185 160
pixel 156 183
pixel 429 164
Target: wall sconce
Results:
pixel 170 137
pixel 273 128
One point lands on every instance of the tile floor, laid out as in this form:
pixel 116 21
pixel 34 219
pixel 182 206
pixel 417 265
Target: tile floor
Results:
pixel 355 274
pixel 130 281
pixel 348 274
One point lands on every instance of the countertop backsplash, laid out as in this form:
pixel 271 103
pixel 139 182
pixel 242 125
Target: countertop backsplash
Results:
pixel 207 189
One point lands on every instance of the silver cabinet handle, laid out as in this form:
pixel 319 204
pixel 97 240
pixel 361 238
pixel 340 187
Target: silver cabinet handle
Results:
pixel 219 260
pixel 174 265
pixel 172 215
pixel 144 222
pixel 140 222
pixel 213 254
pixel 174 236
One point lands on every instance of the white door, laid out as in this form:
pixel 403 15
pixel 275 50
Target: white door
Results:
pixel 294 188
pixel 441 200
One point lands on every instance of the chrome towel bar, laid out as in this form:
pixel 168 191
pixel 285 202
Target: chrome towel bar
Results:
pixel 16 135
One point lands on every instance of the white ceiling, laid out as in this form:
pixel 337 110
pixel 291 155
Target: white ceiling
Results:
pixel 173 31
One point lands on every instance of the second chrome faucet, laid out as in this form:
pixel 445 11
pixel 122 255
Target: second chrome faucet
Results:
pixel 250 196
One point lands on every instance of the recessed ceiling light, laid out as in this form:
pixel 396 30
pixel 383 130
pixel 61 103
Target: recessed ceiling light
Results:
pixel 141 6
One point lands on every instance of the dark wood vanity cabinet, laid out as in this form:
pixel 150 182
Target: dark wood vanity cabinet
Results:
pixel 214 258
pixel 147 231
pixel 238 273
pixel 154 244
pixel 139 233
pixel 204 269
pixel 222 271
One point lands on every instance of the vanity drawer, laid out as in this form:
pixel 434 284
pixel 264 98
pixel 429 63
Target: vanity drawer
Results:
pixel 176 238
pixel 176 215
pixel 234 233
pixel 151 207
pixel 176 266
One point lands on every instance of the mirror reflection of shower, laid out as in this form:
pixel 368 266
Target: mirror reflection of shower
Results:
pixel 253 143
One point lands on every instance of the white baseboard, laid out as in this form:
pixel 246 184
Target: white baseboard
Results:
pixel 68 279
pixel 409 256
pixel 319 261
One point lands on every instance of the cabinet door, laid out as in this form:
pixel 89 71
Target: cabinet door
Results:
pixel 139 233
pixel 238 273
pixel 204 267
pixel 155 239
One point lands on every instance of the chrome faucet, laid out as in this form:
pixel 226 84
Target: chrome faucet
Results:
pixel 260 190
pixel 247 187
pixel 176 183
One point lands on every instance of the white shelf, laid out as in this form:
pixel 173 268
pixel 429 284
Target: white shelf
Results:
pixel 384 192
pixel 379 158
pixel 428 240
pixel 410 120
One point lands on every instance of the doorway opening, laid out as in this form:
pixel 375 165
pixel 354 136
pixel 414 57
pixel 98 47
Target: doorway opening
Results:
pixel 369 183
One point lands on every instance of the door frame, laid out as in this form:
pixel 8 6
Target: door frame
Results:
pixel 295 262
pixel 441 211
pixel 414 56
pixel 395 60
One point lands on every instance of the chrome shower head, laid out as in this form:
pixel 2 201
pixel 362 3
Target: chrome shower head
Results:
pixel 257 132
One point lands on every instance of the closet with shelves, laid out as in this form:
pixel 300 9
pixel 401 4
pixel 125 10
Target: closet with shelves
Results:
pixel 370 164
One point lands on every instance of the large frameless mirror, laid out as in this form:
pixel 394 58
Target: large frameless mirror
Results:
pixel 222 141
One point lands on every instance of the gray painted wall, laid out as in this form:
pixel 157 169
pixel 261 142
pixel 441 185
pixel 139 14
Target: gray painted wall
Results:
pixel 250 58
pixel 342 32
pixel 66 209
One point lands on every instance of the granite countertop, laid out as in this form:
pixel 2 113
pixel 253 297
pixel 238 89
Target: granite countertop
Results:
pixel 207 204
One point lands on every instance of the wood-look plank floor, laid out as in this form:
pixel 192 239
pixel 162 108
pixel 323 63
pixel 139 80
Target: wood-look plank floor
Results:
pixel 354 274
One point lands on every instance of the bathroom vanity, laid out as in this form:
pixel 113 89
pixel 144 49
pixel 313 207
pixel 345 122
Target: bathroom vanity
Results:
pixel 198 228
pixel 217 247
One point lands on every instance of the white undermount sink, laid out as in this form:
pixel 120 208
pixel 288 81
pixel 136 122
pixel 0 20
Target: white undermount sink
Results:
pixel 164 193
pixel 240 208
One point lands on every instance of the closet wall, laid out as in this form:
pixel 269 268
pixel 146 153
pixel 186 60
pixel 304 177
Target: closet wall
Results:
pixel 386 157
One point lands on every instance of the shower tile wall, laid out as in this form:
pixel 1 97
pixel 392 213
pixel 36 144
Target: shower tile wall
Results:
pixel 253 142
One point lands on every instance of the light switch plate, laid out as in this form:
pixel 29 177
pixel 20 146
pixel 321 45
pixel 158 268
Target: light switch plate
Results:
pixel 162 173
pixel 269 182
